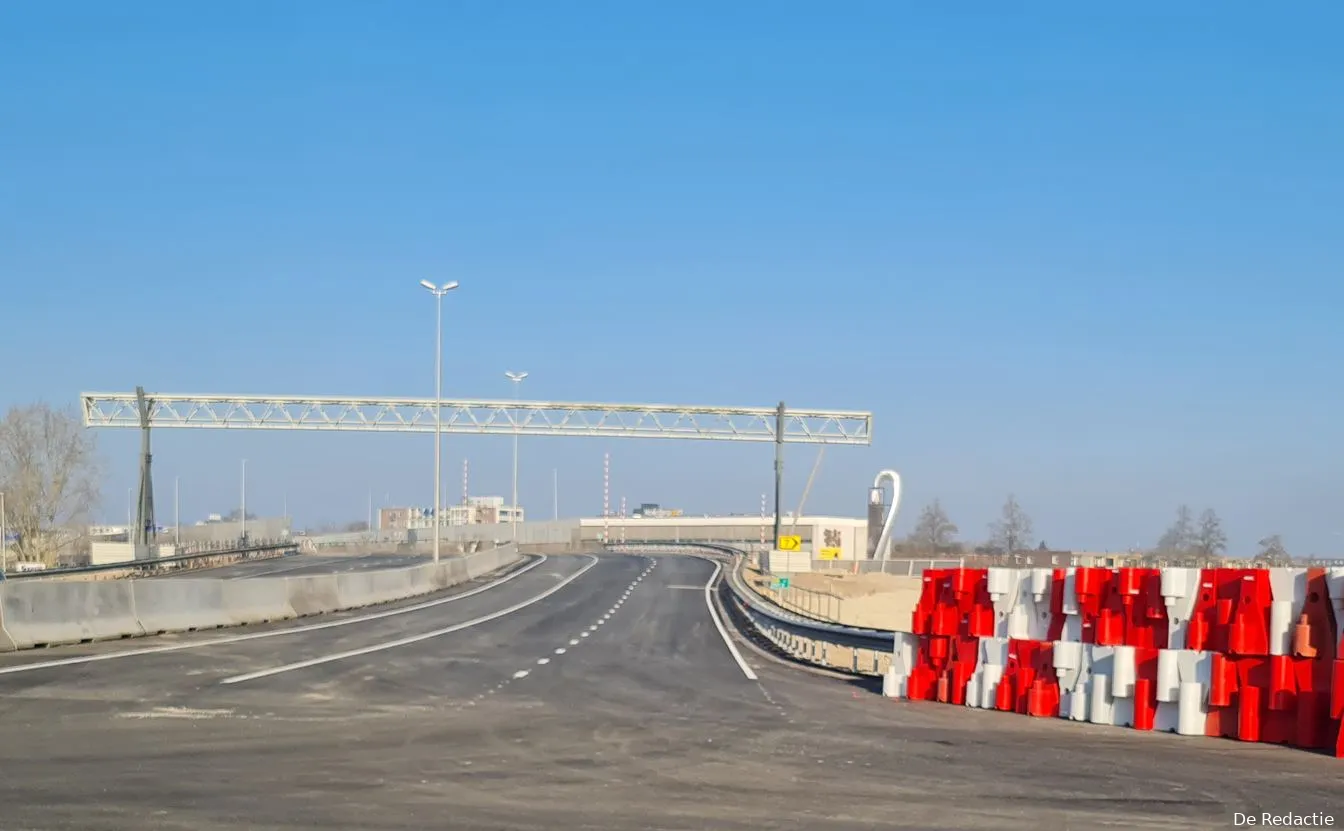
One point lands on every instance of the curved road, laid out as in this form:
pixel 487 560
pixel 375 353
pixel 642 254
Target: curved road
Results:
pixel 297 565
pixel 583 692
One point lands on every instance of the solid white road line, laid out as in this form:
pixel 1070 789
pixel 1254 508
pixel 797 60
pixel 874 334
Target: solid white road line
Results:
pixel 714 613
pixel 293 630
pixel 407 641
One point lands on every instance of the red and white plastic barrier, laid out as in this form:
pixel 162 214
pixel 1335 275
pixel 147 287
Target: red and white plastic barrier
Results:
pixel 1250 654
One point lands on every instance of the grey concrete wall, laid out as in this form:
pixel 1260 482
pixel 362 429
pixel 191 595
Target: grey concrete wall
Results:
pixel 40 613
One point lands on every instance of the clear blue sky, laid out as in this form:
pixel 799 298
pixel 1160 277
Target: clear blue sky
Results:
pixel 1090 256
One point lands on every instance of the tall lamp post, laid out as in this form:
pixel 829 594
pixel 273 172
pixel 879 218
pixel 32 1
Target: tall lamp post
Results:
pixel 438 292
pixel 242 507
pixel 517 379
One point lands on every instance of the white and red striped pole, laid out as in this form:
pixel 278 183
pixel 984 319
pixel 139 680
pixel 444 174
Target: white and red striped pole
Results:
pixel 762 519
pixel 606 495
pixel 622 520
pixel 466 491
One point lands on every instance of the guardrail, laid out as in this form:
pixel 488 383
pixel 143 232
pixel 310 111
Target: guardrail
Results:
pixel 252 552
pixel 801 637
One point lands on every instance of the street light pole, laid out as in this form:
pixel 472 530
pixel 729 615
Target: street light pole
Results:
pixel 517 379
pixel 242 509
pixel 438 292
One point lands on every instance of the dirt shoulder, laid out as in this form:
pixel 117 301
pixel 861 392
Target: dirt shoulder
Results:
pixel 874 601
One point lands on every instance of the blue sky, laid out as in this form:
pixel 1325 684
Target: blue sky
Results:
pixel 1087 255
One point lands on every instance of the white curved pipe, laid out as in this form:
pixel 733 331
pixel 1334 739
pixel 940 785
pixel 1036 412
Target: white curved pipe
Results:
pixel 890 522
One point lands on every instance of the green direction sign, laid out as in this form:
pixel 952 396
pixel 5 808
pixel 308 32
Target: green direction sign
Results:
pixel 780 583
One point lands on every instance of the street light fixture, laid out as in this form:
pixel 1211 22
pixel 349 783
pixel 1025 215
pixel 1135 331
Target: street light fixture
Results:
pixel 438 292
pixel 517 379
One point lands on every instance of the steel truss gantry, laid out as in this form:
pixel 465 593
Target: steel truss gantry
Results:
pixel 527 418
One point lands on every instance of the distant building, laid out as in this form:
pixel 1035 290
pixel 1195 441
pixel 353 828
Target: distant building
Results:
pixel 652 510
pixel 477 510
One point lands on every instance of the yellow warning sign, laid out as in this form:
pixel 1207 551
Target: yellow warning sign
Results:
pixel 830 553
pixel 790 543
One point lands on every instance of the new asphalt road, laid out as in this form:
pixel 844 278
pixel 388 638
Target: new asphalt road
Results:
pixel 299 564
pixel 580 693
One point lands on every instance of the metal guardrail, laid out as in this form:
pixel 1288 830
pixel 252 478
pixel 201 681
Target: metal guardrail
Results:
pixel 771 619
pixel 274 550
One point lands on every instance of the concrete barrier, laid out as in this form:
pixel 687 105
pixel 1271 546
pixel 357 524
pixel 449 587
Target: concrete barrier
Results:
pixel 256 601
pixel 43 613
pixel 40 613
pixel 6 642
pixel 370 587
pixel 312 594
pixel 178 605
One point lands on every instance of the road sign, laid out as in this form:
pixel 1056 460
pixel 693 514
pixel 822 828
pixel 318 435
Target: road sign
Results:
pixel 830 553
pixel 790 543
pixel 780 583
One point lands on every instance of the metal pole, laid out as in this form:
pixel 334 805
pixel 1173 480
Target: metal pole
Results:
pixel 779 468
pixel 242 510
pixel 438 413
pixel 177 515
pixel 555 491
pixel 514 513
pixel 4 545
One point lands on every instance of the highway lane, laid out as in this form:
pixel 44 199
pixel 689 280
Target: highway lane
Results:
pixel 300 564
pixel 609 701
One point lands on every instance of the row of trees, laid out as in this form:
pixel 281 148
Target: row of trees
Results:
pixel 1188 538
pixel 1202 540
pixel 935 532
pixel 50 474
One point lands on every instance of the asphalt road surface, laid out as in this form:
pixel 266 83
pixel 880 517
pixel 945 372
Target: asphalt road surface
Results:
pixel 299 564
pixel 582 693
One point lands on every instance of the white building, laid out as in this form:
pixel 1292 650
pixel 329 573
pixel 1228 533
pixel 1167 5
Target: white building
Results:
pixel 477 510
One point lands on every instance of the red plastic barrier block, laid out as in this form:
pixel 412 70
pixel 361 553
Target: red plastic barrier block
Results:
pixel 1091 588
pixel 922 618
pixel 1058 583
pixel 1145 688
pixel 1207 630
pixel 1248 628
pixel 1029 685
pixel 1337 704
pixel 943 667
pixel 1146 624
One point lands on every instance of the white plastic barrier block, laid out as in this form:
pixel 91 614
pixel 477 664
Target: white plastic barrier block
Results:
pixel 897 677
pixel 1183 680
pixel 1180 592
pixel 1073 620
pixel 1288 590
pixel 1105 706
pixel 1334 579
pixel 1021 600
pixel 1073 667
pixel 983 685
pixel 1002 584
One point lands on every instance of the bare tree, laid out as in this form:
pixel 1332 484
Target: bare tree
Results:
pixel 1179 539
pixel 934 531
pixel 1210 542
pixel 49 473
pixel 1272 553
pixel 1013 532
